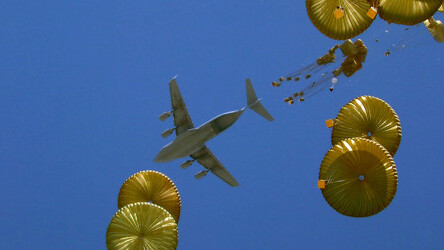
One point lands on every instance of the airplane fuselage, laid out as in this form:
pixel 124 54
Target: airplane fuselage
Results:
pixel 193 139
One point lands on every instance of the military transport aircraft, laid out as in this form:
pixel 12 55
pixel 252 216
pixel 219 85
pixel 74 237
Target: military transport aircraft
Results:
pixel 190 141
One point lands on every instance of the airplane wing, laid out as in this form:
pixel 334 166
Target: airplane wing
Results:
pixel 205 158
pixel 182 119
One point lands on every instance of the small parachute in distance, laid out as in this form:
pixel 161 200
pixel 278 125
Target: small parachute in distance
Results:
pixel 436 29
pixel 354 54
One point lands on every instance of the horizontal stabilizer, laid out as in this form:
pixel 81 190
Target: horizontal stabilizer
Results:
pixel 258 108
pixel 254 103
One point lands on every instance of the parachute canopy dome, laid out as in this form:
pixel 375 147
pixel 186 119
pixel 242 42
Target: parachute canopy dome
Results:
pixel 353 22
pixel 151 186
pixel 361 177
pixel 142 225
pixel 368 117
pixel 408 12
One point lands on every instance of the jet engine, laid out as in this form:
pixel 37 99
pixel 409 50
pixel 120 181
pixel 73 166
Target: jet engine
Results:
pixel 201 174
pixel 186 164
pixel 165 115
pixel 167 132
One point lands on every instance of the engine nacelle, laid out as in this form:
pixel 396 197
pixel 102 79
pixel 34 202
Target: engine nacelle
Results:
pixel 201 174
pixel 165 115
pixel 186 164
pixel 167 132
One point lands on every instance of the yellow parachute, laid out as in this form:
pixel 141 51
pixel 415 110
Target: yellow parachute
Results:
pixel 368 117
pixel 142 225
pixel 151 186
pixel 436 29
pixel 358 177
pixel 339 19
pixel 408 12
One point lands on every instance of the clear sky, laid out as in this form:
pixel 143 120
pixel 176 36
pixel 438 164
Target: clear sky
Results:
pixel 82 84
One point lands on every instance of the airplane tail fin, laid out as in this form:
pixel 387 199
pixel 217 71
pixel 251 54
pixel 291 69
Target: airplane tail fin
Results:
pixel 254 104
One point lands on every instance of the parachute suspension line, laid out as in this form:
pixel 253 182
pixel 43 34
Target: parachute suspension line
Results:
pixel 396 38
pixel 315 88
pixel 303 70
pixel 323 83
pixel 320 83
pixel 409 38
pixel 330 181
pixel 317 69
pixel 332 178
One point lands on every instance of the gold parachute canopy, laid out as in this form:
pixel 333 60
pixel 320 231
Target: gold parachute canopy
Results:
pixel 374 3
pixel 368 117
pixel 358 177
pixel 339 19
pixel 142 225
pixel 151 186
pixel 408 12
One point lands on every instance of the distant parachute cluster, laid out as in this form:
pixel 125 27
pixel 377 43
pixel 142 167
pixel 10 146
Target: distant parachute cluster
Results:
pixel 358 176
pixel 149 209
pixel 344 19
pixel 353 54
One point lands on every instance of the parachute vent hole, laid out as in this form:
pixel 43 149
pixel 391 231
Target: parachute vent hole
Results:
pixel 361 177
pixel 369 134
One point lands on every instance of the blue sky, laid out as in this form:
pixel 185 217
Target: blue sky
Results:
pixel 82 84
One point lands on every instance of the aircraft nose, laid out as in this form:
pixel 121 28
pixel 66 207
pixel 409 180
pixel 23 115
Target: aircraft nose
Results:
pixel 165 155
pixel 160 157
